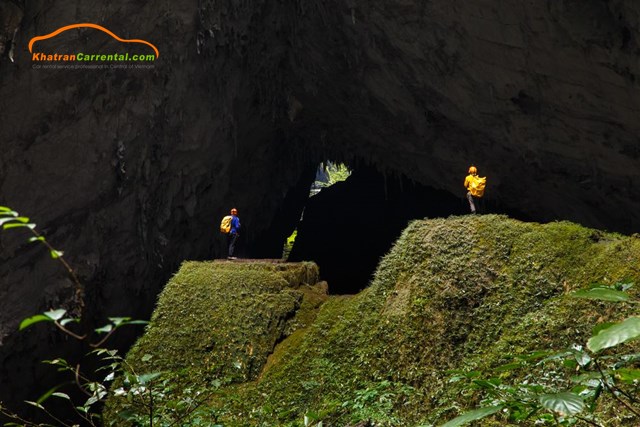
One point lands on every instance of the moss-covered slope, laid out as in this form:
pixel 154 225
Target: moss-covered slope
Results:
pixel 223 319
pixel 217 323
pixel 455 293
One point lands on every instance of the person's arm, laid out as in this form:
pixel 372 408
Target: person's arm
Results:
pixel 466 182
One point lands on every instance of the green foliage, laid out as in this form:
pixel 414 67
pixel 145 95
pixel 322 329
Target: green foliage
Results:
pixel 376 402
pixel 148 402
pixel 615 334
pixel 474 415
pixel 153 399
pixel 602 294
pixel 288 244
pixel 337 172
pixel 149 396
pixel 34 319
pixel 565 403
pixel 10 219
pixel 596 373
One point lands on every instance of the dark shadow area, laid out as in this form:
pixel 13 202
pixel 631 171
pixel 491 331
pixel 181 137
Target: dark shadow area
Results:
pixel 268 244
pixel 349 226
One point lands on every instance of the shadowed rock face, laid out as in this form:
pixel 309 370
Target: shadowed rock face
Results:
pixel 129 171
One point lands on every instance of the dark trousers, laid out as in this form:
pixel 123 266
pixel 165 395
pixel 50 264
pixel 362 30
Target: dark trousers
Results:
pixel 471 202
pixel 232 242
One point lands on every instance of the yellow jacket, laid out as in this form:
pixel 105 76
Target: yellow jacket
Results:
pixel 467 181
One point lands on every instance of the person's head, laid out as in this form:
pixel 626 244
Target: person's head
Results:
pixel 234 211
pixel 473 170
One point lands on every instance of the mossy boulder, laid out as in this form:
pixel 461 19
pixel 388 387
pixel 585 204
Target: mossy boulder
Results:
pixel 457 293
pixel 218 322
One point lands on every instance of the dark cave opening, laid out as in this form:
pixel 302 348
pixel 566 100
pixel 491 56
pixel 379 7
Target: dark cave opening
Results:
pixel 349 226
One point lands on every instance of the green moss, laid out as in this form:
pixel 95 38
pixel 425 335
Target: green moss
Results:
pixel 221 320
pixel 456 293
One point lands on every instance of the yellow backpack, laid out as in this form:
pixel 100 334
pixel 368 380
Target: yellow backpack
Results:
pixel 225 224
pixel 476 187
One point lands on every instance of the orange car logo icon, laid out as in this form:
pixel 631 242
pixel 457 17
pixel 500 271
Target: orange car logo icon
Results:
pixel 87 25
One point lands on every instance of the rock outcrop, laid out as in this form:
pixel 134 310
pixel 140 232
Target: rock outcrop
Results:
pixel 468 293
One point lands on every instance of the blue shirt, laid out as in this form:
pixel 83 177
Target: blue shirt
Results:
pixel 235 224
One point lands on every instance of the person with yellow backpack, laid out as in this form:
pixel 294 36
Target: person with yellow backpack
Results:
pixel 475 187
pixel 230 226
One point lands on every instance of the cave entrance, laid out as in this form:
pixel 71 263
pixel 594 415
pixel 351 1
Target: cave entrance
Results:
pixel 348 226
pixel 328 173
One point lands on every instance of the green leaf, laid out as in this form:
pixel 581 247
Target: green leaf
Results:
pixel 48 394
pixel 145 378
pixel 465 374
pixel 536 355
pixel 583 358
pixel 33 320
pixel 580 389
pixel 508 367
pixel 56 254
pixel 594 399
pixel 136 322
pixel 601 294
pixel 616 334
pixel 630 358
pixel 22 219
pixel 55 314
pixel 90 401
pixel 490 383
pixel 564 403
pixel 61 395
pixel 36 404
pixel 3 220
pixel 601 327
pixel 57 362
pixel 105 329
pixel 18 225
pixel 310 417
pixel 118 320
pixel 624 285
pixel 586 378
pixel 557 356
pixel 36 239
pixel 474 415
pixel 5 209
pixel 147 357
pixel 627 375
pixel 122 321
pixel 68 320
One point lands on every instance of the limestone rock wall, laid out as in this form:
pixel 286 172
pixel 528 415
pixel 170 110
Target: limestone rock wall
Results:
pixel 128 172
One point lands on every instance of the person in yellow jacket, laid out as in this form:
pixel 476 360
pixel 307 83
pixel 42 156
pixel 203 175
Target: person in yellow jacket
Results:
pixel 474 186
